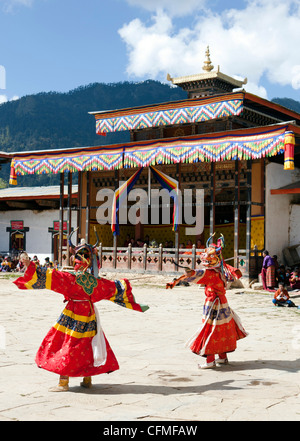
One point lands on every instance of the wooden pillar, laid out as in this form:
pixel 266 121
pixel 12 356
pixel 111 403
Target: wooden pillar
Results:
pixel 61 218
pixel 115 238
pixel 248 217
pixel 79 205
pixel 177 233
pixel 87 211
pixel 69 218
pixel 263 171
pixel 236 213
pixel 212 197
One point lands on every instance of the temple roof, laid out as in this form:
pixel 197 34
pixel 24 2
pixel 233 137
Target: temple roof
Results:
pixel 44 192
pixel 208 83
pixel 201 77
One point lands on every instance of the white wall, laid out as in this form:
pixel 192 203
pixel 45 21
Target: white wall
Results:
pixel 282 217
pixel 294 224
pixel 38 239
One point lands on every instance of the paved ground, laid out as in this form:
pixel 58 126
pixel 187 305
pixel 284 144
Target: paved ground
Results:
pixel 158 378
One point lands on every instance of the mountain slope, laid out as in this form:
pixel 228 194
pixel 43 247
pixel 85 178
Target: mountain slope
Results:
pixel 61 120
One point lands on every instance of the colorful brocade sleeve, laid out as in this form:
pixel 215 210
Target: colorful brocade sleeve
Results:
pixel 37 277
pixel 197 277
pixel 119 292
pixel 34 278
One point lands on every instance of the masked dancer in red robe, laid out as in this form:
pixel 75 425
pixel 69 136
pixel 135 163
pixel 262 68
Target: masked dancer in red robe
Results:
pixel 76 345
pixel 221 327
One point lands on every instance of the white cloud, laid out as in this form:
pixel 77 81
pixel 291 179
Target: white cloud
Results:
pixel 3 99
pixel 172 7
pixel 9 5
pixel 261 39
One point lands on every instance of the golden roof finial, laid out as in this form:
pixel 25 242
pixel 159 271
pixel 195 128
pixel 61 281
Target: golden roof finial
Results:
pixel 207 63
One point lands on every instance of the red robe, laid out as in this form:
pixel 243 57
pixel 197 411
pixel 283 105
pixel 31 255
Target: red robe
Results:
pixel 221 327
pixel 67 348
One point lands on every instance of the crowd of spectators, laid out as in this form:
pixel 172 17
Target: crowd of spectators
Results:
pixel 12 264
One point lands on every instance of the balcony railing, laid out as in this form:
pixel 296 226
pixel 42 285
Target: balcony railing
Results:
pixel 148 259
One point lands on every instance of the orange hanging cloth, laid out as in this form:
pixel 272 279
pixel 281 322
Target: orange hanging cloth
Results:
pixel 289 146
pixel 13 176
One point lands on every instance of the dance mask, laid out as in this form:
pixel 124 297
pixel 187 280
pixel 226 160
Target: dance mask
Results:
pixel 85 255
pixel 212 255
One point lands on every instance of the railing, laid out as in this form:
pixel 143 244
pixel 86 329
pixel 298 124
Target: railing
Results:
pixel 166 260
pixel 148 259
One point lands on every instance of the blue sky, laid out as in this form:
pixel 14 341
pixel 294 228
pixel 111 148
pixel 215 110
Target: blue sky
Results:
pixel 58 45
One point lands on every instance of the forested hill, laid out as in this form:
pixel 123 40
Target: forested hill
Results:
pixel 61 120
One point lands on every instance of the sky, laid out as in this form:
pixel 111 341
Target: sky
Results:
pixel 59 45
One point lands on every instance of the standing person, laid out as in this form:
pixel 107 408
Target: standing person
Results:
pixel 76 345
pixel 268 272
pixel 221 327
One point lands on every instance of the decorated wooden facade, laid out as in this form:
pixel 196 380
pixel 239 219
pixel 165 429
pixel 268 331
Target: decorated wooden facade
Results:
pixel 218 140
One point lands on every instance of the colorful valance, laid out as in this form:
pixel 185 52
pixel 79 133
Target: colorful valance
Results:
pixel 206 148
pixel 194 111
pixel 84 159
pixel 239 144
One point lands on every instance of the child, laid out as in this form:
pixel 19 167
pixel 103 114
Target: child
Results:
pixel 281 297
pixel 295 279
pixel 281 275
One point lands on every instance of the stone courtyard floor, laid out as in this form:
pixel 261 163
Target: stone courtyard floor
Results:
pixel 158 378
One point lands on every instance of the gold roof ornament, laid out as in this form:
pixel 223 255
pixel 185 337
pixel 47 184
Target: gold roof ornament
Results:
pixel 210 82
pixel 207 63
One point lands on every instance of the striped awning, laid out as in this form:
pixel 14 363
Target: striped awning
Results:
pixel 194 110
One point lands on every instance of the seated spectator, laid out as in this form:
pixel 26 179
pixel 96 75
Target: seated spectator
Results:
pixel 48 264
pixel 281 297
pixel 139 243
pixel 133 242
pixel 199 246
pixel 181 246
pixel 6 265
pixel 281 275
pixel 36 260
pixel 189 246
pixel 295 279
pixel 127 241
pixel 153 244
